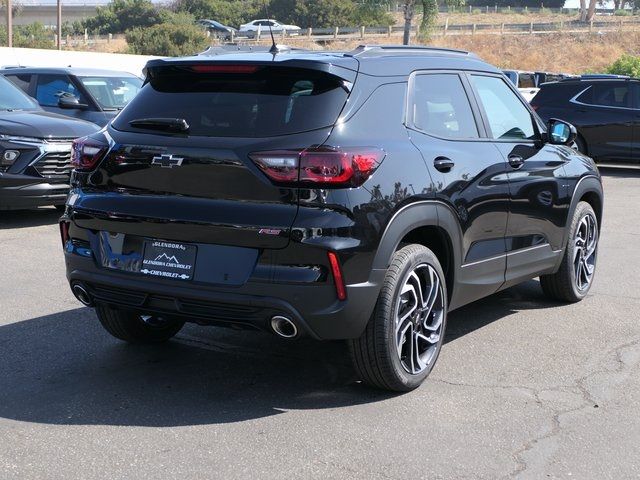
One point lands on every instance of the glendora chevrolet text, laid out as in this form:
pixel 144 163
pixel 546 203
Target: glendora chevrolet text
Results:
pixel 359 196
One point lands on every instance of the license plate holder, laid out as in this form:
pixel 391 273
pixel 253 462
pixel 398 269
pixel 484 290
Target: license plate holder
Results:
pixel 167 259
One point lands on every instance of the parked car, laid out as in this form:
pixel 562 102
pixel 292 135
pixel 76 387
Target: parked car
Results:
pixel 218 30
pixel 264 25
pixel 528 83
pixel 88 94
pixel 359 195
pixel 605 110
pixel 525 82
pixel 35 151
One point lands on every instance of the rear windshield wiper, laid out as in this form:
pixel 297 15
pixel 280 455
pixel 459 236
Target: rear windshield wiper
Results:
pixel 179 125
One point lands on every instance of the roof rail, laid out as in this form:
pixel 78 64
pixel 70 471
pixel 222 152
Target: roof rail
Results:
pixel 363 50
pixel 595 76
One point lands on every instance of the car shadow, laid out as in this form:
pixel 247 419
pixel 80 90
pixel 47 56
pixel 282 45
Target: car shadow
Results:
pixel 64 369
pixel 619 172
pixel 10 219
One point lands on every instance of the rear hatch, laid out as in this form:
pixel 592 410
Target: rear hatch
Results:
pixel 179 167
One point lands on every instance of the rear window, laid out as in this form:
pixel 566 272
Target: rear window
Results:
pixel 269 101
pixel 606 95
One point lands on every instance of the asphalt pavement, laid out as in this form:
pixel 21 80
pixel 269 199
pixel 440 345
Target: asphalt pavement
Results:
pixel 524 387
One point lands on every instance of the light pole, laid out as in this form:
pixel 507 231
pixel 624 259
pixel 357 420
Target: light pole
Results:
pixel 9 24
pixel 59 24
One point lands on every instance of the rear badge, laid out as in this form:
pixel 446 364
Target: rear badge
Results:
pixel 269 231
pixel 167 161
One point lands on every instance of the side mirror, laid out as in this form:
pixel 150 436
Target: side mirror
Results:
pixel 560 132
pixel 71 102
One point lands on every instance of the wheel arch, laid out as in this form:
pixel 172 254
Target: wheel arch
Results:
pixel 428 223
pixel 588 189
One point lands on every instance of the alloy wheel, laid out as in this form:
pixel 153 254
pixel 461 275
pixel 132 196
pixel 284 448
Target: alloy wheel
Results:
pixel 419 319
pixel 585 251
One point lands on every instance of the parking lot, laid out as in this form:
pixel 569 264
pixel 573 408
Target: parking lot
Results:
pixel 523 387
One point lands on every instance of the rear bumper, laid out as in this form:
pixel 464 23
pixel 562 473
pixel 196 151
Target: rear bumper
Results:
pixel 314 308
pixel 24 191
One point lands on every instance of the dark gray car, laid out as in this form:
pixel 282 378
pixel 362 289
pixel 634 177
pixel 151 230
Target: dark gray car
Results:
pixel 88 94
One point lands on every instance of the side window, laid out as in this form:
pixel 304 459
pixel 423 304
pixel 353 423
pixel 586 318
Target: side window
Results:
pixel 605 94
pixel 21 81
pixel 51 87
pixel 527 80
pixel 441 107
pixel 508 117
pixel 636 96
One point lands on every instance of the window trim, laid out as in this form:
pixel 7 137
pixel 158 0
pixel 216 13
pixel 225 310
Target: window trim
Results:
pixel 629 106
pixel 538 128
pixel 475 111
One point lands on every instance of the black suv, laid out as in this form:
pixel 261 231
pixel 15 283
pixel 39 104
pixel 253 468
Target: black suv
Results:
pixel 357 196
pixel 605 109
pixel 35 151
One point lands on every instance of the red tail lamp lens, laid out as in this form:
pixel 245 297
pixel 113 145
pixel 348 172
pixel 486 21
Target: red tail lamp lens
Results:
pixel 336 270
pixel 86 153
pixel 320 167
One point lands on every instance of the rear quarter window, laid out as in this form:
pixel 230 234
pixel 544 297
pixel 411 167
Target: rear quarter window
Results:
pixel 271 101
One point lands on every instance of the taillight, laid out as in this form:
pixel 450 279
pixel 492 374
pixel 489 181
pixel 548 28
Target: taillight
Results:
pixel 86 153
pixel 336 270
pixel 320 167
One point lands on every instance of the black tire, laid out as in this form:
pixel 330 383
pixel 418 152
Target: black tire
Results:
pixel 377 354
pixel 564 284
pixel 130 326
pixel 60 208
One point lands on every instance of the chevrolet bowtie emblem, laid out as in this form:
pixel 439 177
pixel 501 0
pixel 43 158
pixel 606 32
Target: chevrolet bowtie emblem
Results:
pixel 167 161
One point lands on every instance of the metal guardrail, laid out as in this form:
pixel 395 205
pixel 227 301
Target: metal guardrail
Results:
pixel 346 33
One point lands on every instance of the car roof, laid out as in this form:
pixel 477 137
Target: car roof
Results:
pixel 586 79
pixel 78 71
pixel 375 60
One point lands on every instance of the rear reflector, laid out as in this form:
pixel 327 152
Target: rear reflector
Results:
pixel 224 68
pixel 86 153
pixel 320 167
pixel 64 232
pixel 336 270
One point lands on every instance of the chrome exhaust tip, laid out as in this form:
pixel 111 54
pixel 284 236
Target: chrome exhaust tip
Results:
pixel 284 327
pixel 82 295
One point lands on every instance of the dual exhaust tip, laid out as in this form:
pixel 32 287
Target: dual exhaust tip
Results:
pixel 82 294
pixel 284 327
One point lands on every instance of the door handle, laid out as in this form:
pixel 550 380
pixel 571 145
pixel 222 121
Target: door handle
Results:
pixel 443 164
pixel 516 161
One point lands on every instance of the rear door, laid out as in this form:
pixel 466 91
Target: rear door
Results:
pixel 201 185
pixel 636 121
pixel 538 204
pixel 470 175
pixel 608 126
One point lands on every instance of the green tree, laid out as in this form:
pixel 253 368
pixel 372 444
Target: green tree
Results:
pixel 122 15
pixel 232 13
pixel 34 35
pixel 430 9
pixel 626 65
pixel 372 14
pixel 324 13
pixel 176 37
